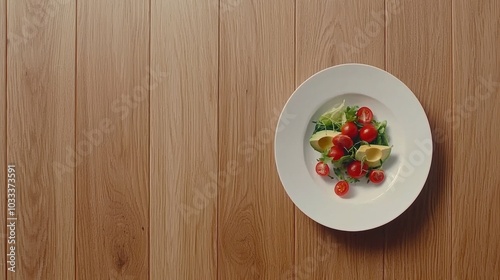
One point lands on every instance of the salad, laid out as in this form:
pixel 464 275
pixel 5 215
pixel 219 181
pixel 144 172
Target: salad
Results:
pixel 352 144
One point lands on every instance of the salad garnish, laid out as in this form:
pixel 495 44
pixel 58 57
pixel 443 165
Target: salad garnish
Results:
pixel 352 144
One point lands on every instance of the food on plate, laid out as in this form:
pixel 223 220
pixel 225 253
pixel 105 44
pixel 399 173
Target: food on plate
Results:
pixel 365 115
pixel 342 141
pixel 373 155
pixel 322 169
pixel 321 141
pixel 336 153
pixel 352 145
pixel 357 169
pixel 368 133
pixel 376 176
pixel 341 188
pixel 350 129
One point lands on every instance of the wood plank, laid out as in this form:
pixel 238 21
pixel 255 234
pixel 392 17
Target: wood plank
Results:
pixel 255 217
pixel 330 33
pixel 184 56
pixel 112 147
pixel 3 131
pixel 41 98
pixel 476 82
pixel 419 53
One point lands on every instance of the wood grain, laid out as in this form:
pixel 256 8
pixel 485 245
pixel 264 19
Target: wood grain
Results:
pixel 476 75
pixel 112 147
pixel 184 96
pixel 419 53
pixel 330 33
pixel 41 98
pixel 3 134
pixel 255 217
pixel 119 179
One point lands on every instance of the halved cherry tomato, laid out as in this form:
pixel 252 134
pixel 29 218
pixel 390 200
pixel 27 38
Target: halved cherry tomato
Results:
pixel 341 188
pixel 377 176
pixel 322 169
pixel 350 129
pixel 355 170
pixel 368 133
pixel 336 153
pixel 365 115
pixel 342 141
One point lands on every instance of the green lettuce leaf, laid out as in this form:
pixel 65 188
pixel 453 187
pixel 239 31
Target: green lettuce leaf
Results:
pixel 332 116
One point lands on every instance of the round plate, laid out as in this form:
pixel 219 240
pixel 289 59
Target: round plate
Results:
pixel 366 206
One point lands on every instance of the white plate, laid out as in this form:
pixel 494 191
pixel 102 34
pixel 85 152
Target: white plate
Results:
pixel 366 206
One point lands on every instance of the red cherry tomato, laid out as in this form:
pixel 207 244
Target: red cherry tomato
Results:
pixel 342 141
pixel 341 188
pixel 322 169
pixel 377 176
pixel 365 115
pixel 355 170
pixel 368 133
pixel 350 129
pixel 336 153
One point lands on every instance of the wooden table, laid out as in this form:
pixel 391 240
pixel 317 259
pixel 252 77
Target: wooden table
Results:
pixel 142 137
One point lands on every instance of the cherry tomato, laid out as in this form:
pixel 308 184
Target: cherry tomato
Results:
pixel 350 129
pixel 355 170
pixel 368 133
pixel 336 153
pixel 377 176
pixel 341 188
pixel 322 169
pixel 365 115
pixel 342 141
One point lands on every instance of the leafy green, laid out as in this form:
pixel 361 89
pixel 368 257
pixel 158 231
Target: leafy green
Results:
pixel 336 117
pixel 382 135
pixel 343 160
pixel 332 116
pixel 350 113
pixel 320 127
pixel 351 180
pixel 339 173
